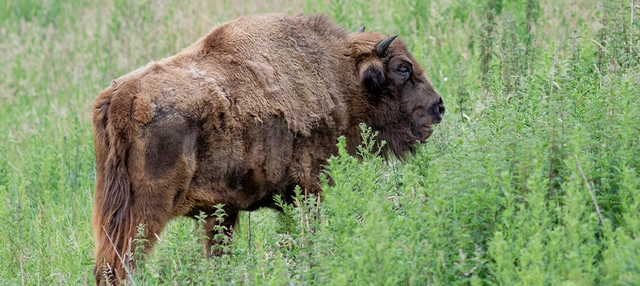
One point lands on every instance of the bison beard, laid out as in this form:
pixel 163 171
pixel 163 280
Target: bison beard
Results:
pixel 249 111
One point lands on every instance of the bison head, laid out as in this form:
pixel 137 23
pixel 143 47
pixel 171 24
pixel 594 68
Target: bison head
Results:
pixel 402 105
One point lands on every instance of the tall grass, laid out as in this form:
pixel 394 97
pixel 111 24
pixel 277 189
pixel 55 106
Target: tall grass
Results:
pixel 532 178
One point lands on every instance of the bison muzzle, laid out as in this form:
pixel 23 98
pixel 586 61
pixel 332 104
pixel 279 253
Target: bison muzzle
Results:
pixel 249 111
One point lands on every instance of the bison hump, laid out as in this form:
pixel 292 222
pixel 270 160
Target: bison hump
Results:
pixel 278 65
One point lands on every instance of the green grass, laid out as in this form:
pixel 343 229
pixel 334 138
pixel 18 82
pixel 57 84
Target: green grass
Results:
pixel 543 112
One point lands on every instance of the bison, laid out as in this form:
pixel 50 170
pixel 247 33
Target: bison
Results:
pixel 251 110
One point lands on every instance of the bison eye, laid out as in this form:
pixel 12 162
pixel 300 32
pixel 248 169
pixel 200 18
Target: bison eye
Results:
pixel 403 71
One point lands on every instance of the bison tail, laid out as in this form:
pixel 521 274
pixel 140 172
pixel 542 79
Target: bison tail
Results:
pixel 113 223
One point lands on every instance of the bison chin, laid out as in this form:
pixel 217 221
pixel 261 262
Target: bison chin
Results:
pixel 422 133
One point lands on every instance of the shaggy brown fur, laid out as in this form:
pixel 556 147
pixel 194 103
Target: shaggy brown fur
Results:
pixel 249 111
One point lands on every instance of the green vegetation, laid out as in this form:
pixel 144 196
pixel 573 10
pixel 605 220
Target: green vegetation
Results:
pixel 533 178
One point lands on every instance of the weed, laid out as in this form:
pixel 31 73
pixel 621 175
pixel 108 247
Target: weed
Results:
pixel 533 180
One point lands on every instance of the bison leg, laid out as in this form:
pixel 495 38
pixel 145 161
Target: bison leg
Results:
pixel 219 235
pixel 152 176
pixel 149 217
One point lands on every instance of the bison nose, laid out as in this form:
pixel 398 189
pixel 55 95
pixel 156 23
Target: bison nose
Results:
pixel 441 108
pixel 438 111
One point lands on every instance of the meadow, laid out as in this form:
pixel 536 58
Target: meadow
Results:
pixel 533 178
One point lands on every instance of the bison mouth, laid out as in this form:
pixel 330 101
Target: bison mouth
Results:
pixel 422 133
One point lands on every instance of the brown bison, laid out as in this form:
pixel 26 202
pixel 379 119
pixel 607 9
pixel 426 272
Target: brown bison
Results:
pixel 249 111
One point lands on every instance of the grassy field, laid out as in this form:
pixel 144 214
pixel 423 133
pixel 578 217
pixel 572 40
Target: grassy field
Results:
pixel 532 179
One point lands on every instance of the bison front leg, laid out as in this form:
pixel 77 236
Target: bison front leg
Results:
pixel 218 229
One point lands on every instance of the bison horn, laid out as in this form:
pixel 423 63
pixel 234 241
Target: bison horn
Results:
pixel 381 48
pixel 361 30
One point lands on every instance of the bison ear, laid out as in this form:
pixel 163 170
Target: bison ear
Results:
pixel 361 30
pixel 372 77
